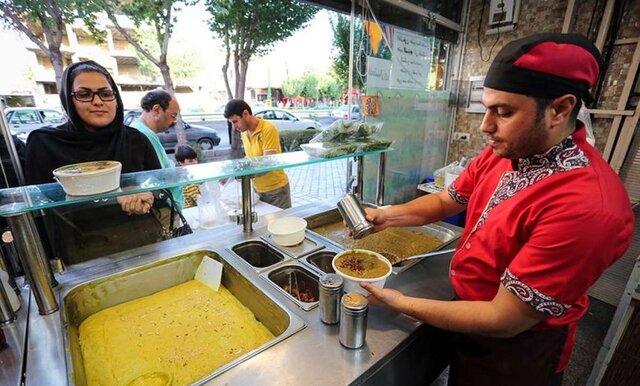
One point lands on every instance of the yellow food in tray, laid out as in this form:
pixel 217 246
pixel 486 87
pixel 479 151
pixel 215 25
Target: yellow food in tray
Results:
pixel 393 243
pixel 182 333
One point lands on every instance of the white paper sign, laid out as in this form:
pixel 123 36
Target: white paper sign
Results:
pixel 378 72
pixel 410 60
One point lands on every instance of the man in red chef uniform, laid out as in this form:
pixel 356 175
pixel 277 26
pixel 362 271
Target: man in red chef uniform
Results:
pixel 546 215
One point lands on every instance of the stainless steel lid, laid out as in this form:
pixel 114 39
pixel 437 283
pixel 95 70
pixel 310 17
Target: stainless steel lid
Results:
pixel 354 301
pixel 331 281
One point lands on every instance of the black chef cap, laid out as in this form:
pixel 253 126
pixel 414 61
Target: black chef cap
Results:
pixel 546 65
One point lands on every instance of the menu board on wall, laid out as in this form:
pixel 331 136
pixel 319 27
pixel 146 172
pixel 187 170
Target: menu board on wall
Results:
pixel 410 60
pixel 378 71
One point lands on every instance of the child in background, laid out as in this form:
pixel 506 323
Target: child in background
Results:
pixel 186 155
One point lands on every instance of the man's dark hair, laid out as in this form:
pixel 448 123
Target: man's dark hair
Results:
pixel 542 103
pixel 155 97
pixel 185 152
pixel 236 107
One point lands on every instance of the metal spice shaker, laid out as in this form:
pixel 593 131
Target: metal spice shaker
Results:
pixel 330 289
pixel 353 214
pixel 353 320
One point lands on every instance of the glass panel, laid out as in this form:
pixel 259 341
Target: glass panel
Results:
pixel 35 197
pixel 418 123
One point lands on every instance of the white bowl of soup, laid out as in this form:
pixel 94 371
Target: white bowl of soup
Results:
pixel 360 265
pixel 87 178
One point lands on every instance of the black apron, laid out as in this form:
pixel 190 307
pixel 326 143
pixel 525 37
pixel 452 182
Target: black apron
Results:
pixel 529 358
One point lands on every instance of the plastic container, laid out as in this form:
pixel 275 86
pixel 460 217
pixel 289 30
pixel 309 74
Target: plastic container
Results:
pixel 451 174
pixel 287 231
pixel 88 178
pixel 352 283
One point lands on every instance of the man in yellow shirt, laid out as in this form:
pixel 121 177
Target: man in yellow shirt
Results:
pixel 259 138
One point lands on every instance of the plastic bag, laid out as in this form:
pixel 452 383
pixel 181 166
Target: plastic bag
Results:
pixel 210 210
pixel 231 194
pixel 338 131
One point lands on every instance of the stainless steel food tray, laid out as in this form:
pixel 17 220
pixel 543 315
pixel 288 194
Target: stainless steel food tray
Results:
pixel 82 301
pixel 446 235
pixel 306 247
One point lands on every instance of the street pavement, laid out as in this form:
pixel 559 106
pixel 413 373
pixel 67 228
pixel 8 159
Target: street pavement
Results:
pixel 317 182
pixel 308 183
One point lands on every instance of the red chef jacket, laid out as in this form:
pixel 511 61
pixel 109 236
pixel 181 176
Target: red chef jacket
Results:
pixel 546 227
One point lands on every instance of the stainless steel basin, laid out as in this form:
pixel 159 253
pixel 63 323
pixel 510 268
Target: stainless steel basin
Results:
pixel 81 301
pixel 257 253
pixel 321 260
pixel 298 283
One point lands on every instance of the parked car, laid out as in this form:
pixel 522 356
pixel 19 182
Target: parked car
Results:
pixel 284 120
pixel 27 119
pixel 206 137
pixel 343 111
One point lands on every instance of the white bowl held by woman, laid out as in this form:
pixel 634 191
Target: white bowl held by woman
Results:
pixel 287 231
pixel 351 282
pixel 87 178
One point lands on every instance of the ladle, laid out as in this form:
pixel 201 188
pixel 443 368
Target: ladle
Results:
pixel 423 255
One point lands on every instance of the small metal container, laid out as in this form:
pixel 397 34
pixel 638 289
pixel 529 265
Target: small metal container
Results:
pixel 353 320
pixel 353 214
pixel 330 289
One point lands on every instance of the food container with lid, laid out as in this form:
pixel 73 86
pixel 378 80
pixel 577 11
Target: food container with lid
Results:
pixel 88 178
pixel 362 266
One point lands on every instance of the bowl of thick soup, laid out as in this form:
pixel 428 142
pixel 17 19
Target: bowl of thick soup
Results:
pixel 360 265
pixel 87 178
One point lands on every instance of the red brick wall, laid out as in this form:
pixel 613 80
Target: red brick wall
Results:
pixel 539 16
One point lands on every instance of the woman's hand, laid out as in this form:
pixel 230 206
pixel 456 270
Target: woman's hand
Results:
pixel 138 203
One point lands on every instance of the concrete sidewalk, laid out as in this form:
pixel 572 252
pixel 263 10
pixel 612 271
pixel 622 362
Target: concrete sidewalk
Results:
pixel 310 183
pixel 317 182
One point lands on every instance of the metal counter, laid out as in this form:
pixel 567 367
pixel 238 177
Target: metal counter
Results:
pixel 12 355
pixel 311 356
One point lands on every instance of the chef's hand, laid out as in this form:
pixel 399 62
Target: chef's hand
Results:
pixel 386 296
pixel 377 217
pixel 138 203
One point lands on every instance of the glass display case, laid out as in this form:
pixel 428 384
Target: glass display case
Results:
pixel 16 204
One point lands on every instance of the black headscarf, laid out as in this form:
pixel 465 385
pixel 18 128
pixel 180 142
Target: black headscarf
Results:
pixel 71 142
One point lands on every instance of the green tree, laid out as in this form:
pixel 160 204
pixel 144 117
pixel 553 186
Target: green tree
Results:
pixel 248 28
pixel 161 16
pixel 185 64
pixel 43 22
pixel 292 87
pixel 330 87
pixel 341 25
pixel 310 86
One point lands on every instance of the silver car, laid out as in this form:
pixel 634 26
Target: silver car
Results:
pixel 284 120
pixel 27 119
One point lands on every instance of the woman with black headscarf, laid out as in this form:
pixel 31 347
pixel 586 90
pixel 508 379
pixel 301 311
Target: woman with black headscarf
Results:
pixel 94 131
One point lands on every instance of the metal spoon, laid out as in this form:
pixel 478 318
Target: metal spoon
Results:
pixel 423 255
